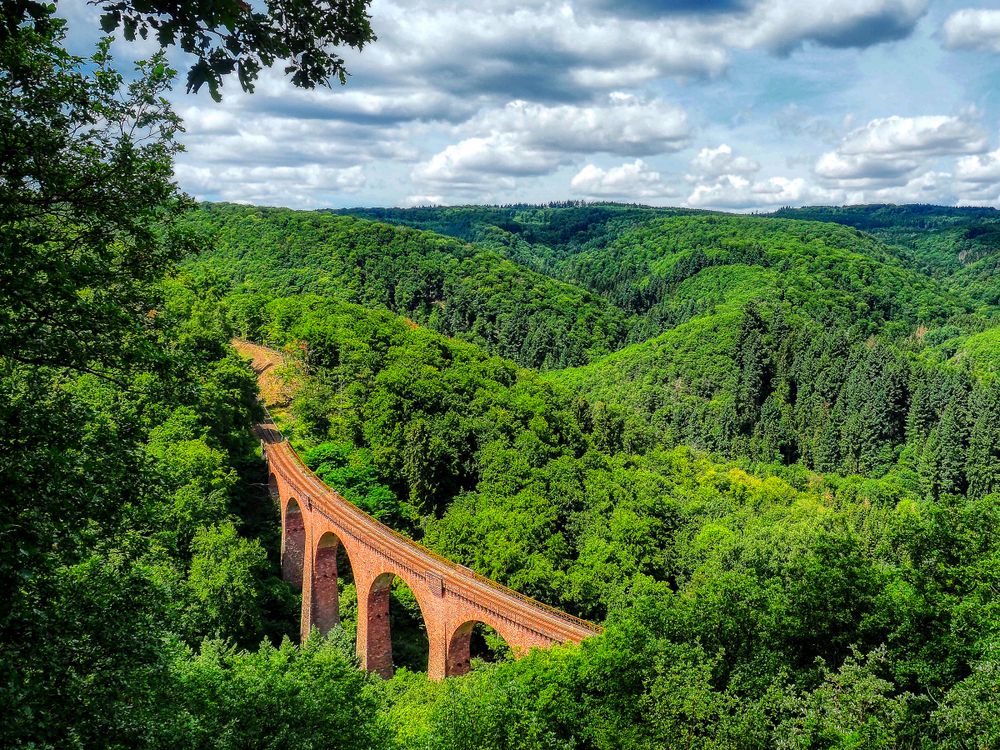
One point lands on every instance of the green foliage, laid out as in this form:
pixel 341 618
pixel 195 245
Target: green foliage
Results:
pixel 852 708
pixel 225 583
pixel 961 718
pixel 351 472
pixel 123 412
pixel 957 244
pixel 636 257
pixel 773 340
pixel 233 36
pixel 87 207
pixel 420 405
pixel 760 593
pixel 284 697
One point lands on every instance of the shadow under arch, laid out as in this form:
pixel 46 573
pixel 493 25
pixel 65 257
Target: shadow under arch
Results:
pixel 474 639
pixel 293 544
pixel 331 564
pixel 396 627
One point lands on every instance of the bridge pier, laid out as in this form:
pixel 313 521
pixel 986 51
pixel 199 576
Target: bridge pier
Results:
pixel 325 591
pixel 309 581
pixel 374 634
pixel 293 543
pixel 437 658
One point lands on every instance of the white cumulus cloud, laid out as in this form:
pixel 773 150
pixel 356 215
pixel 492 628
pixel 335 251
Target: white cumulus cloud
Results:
pixel 635 181
pixel 926 135
pixel 622 124
pixel 478 161
pixel 783 25
pixel 972 28
pixel 836 166
pixel 527 139
pixel 723 180
pixel 715 162
pixel 978 179
pixel 421 200
pixel 737 192
pixel 310 185
pixel 887 151
pixel 979 169
pixel 928 187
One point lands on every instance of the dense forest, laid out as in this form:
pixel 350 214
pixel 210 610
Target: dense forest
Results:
pixel 759 338
pixel 762 451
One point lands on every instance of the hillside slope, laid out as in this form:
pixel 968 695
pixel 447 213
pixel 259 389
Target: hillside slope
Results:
pixel 754 336
pixel 635 257
pixel 959 244
pixel 449 286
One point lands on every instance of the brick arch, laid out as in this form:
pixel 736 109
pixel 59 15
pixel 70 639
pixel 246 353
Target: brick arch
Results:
pixel 325 599
pixel 377 656
pixel 458 655
pixel 293 543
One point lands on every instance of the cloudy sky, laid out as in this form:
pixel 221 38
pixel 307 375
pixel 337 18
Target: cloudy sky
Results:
pixel 730 104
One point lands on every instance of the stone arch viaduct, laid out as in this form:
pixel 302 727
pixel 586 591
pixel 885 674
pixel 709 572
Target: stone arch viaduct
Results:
pixel 315 521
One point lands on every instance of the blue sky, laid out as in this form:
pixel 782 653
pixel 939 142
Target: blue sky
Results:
pixel 732 104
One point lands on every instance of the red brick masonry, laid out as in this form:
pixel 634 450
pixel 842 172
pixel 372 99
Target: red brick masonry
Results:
pixel 452 598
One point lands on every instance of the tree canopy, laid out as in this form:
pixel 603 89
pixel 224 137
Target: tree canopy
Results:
pixel 233 36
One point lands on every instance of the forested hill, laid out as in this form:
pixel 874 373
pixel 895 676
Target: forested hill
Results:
pixel 538 236
pixel 450 286
pixel 553 287
pixel 958 244
pixel 636 255
pixel 776 339
pixel 792 341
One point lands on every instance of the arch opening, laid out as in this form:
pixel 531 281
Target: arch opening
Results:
pixel 293 544
pixel 473 644
pixel 272 486
pixel 397 633
pixel 334 599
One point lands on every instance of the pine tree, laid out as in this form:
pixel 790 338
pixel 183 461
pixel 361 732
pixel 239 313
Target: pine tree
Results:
pixel 982 467
pixel 751 386
pixel 920 417
pixel 943 461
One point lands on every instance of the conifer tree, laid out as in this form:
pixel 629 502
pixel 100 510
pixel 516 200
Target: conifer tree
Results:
pixel 983 458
